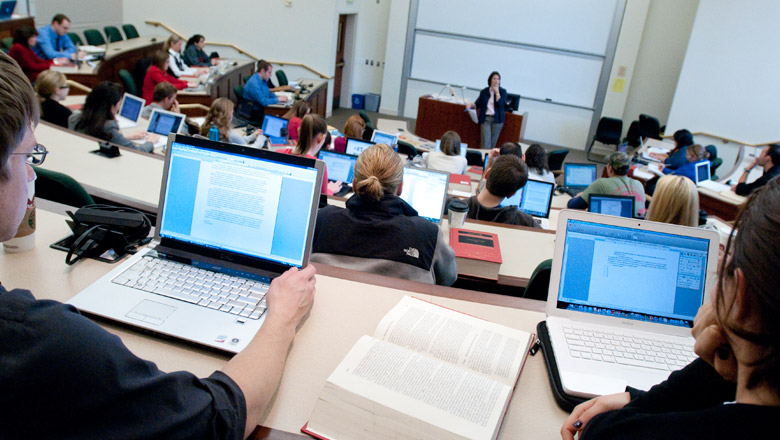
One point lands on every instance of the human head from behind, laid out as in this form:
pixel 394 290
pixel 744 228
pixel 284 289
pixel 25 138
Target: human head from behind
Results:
pixel 299 109
pixel 174 42
pixel 160 60
pixel 102 104
pixel 17 119
pixel 60 24
pixel 696 153
pixel 675 201
pixel 682 138
pixel 618 164
pixel 220 114
pixel 165 95
pixel 508 174
pixel 354 127
pixel 379 171
pixel 450 143
pixel 53 85
pixel 27 36
pixel 511 148
pixel 264 69
pixel 311 136
pixel 536 158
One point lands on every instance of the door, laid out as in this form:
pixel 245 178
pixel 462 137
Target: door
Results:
pixel 339 61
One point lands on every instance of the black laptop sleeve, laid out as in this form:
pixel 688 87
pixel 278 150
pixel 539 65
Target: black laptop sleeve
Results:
pixel 567 402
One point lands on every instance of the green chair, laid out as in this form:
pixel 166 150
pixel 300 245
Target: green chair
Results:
pixel 365 117
pixel 539 282
pixel 714 166
pixel 74 37
pixel 128 82
pixel 281 77
pixel 408 149
pixel 113 34
pixel 130 31
pixel 239 92
pixel 94 37
pixel 60 188
pixel 7 43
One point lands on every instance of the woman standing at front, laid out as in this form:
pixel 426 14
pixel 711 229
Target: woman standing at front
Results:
pixel 490 104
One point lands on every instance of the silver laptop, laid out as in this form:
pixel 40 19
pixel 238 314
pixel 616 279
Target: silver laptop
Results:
pixel 535 199
pixel 702 172
pixel 231 218
pixel 426 191
pixel 163 123
pixel 130 111
pixel 380 137
pixel 622 299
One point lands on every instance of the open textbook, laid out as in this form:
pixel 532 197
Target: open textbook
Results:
pixel 427 373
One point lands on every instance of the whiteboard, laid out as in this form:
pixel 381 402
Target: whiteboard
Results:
pixel 561 78
pixel 580 26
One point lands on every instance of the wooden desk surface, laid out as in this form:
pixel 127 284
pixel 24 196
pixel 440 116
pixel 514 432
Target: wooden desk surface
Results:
pixel 343 311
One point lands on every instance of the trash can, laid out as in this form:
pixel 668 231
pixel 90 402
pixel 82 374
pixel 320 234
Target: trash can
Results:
pixel 372 102
pixel 357 101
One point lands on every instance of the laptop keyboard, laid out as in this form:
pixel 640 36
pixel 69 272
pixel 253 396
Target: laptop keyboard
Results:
pixel 229 294
pixel 617 348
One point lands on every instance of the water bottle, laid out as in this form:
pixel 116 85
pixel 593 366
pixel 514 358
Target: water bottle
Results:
pixel 214 133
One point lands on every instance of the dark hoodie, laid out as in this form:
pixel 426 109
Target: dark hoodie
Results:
pixel 509 214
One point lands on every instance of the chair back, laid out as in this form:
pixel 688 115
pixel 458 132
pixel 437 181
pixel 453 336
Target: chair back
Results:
pixel 94 37
pixel 139 70
pixel 128 82
pixel 714 164
pixel 609 130
pixel 365 117
pixel 474 158
pixel 130 31
pixel 555 159
pixel 281 77
pixel 8 42
pixel 408 149
pixel 649 127
pixel 632 136
pixel 60 188
pixel 713 152
pixel 74 37
pixel 539 283
pixel 238 91
pixel 113 34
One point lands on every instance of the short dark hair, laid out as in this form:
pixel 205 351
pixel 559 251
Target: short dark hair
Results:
pixel 536 158
pixel 683 138
pixel 59 18
pixel 508 174
pixel 163 90
pixel 195 39
pixel 262 65
pixel 20 108
pixel 491 76
pixel 511 148
pixel 22 34
pixel 774 153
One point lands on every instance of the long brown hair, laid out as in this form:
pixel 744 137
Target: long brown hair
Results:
pixel 218 115
pixel 299 110
pixel 311 127
pixel 354 127
pixel 378 171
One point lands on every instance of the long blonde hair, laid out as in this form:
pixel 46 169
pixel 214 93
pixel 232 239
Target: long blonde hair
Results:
pixel 378 171
pixel 675 201
pixel 48 82
pixel 219 115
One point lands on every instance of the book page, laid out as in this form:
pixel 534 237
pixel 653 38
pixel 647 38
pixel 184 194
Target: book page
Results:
pixel 434 392
pixel 493 350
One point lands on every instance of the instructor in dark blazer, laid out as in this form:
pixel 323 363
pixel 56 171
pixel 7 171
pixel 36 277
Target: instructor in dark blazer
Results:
pixel 490 104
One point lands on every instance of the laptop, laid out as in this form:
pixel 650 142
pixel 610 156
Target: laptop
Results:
pixel 535 199
pixel 163 123
pixel 623 295
pixel 341 168
pixel 275 129
pixel 426 191
pixel 380 137
pixel 215 227
pixel 578 176
pixel 7 9
pixel 356 146
pixel 702 172
pixel 621 206
pixel 463 148
pixel 130 111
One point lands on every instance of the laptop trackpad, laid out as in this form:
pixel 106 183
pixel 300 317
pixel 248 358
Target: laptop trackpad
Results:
pixel 151 312
pixel 590 385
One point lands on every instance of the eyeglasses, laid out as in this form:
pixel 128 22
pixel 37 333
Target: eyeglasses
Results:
pixel 66 86
pixel 37 156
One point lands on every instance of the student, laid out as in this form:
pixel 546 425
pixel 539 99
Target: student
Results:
pixel 66 366
pixel 52 87
pixel 98 118
pixel 676 158
pixel 507 148
pixel 313 132
pixel 507 176
pixel 256 88
pixel 220 114
pixel 353 128
pixel 694 155
pixel 769 160
pixel 732 391
pixel 617 184
pixel 449 158
pixel 164 98
pixel 25 38
pixel 379 232
pixel 538 169
pixel 676 201
pixel 195 56
pixel 295 116
pixel 53 41
pixel 157 73
pixel 490 104
pixel 176 65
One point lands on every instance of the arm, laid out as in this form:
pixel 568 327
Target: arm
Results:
pixel 257 92
pixel 444 267
pixel 46 45
pixel 258 369
pixel 178 83
pixel 116 137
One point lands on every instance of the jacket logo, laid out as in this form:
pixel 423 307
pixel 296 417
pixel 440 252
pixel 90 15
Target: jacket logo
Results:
pixel 412 252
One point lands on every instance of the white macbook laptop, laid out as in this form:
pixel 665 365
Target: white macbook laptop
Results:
pixel 130 111
pixel 622 298
pixel 606 204
pixel 702 172
pixel 231 218
pixel 535 199
pixel 341 168
pixel 426 191
pixel 356 146
pixel 380 137
pixel 163 123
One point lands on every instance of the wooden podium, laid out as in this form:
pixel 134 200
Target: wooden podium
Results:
pixel 435 117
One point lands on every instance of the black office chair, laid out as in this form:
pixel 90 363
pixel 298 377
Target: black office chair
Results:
pixel 649 127
pixel 608 133
pixel 60 188
pixel 74 37
pixel 128 82
pixel 113 34
pixel 408 149
pixel 130 31
pixel 246 111
pixel 281 77
pixel 139 70
pixel 94 37
pixel 555 160
pixel 474 158
pixel 539 283
pixel 632 136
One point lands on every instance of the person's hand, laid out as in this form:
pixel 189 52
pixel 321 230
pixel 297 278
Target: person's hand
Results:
pixel 494 153
pixel 175 106
pixel 215 61
pixel 585 411
pixel 193 83
pixel 711 343
pixel 282 98
pixel 334 187
pixel 287 88
pixel 61 61
pixel 734 188
pixel 138 135
pixel 152 137
pixel 291 295
pixel 579 194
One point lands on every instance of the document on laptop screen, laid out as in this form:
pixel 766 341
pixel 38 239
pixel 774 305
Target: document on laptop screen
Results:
pixel 273 126
pixel 340 167
pixel 577 175
pixel 131 108
pixel 425 190
pixel 536 198
pixel 164 124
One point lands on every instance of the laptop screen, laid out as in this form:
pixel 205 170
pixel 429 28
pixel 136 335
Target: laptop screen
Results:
pixel 578 175
pixel 535 198
pixel 380 137
pixel 702 171
pixel 253 206
pixel 164 123
pixel 463 147
pixel 426 191
pixel 341 167
pixel 621 206
pixel 273 126
pixel 632 273
pixel 131 107
pixel 356 146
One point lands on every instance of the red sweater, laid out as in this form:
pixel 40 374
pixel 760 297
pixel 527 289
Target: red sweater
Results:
pixel 155 76
pixel 30 63
pixel 325 189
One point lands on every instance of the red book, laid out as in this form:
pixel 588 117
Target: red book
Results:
pixel 476 253
pixel 460 182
